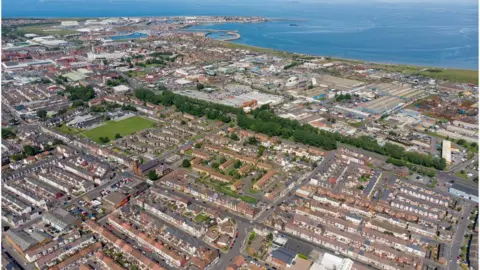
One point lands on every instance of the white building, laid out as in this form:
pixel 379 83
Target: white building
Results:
pixel 447 151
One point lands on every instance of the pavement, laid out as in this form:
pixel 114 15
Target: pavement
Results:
pixel 459 236
pixel 244 225
pixel 463 165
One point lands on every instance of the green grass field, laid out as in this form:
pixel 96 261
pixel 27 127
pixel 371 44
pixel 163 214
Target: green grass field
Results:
pixel 123 127
pixel 453 75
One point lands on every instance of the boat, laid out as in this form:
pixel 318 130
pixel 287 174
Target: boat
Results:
pixel 293 24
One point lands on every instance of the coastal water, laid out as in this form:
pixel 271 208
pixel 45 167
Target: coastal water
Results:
pixel 433 33
pixel 130 36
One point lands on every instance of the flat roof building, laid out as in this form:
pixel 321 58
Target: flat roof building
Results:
pixel 464 192
pixel 447 151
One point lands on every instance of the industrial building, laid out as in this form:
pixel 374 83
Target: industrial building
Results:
pixel 464 192
pixel 393 97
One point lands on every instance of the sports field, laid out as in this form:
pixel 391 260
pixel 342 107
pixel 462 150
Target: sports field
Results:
pixel 123 127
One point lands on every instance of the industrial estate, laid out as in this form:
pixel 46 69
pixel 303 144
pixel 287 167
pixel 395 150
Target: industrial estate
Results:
pixel 134 143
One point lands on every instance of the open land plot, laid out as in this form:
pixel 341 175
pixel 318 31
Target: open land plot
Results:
pixel 68 130
pixel 123 127
pixel 453 75
pixel 43 30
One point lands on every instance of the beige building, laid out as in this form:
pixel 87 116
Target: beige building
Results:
pixel 447 151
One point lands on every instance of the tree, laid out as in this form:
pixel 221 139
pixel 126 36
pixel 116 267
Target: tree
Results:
pixel 186 163
pixel 118 136
pixel 200 86
pixel 80 92
pixel 261 149
pixel 62 111
pixel 152 175
pixel 77 103
pixel 461 142
pixel 215 165
pixel 223 160
pixel 234 137
pixel 57 142
pixel 17 157
pixel 128 107
pixel 252 236
pixel 237 164
pixel 252 140
pixel 42 114
pixel 31 150
pixel 104 139
pixel 270 237
pixel 232 124
pixel 182 122
pixel 7 133
pixel 198 145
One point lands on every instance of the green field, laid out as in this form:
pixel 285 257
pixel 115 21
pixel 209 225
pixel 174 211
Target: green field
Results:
pixel 123 127
pixel 453 75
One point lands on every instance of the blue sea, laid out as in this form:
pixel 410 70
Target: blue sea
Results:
pixel 130 36
pixel 433 33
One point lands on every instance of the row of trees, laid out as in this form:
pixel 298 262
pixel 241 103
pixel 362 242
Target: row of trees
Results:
pixel 264 120
pixel 188 105
pixel 401 163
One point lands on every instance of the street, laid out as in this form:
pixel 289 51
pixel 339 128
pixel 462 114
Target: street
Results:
pixel 459 236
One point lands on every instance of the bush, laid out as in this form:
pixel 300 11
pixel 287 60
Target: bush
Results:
pixel 234 137
pixel 7 133
pixel 104 139
pixel 186 163
pixel 303 256
pixel 252 236
pixel 152 175
pixel 42 114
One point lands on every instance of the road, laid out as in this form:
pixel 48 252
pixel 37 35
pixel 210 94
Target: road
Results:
pixel 433 145
pixel 462 165
pixel 459 235
pixel 131 81
pixel 244 225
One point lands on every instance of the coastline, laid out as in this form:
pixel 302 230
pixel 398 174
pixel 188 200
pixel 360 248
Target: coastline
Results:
pixel 377 63
pixel 463 75
pixel 439 73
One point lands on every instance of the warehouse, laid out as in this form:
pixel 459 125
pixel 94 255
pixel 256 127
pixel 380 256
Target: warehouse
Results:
pixel 464 192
